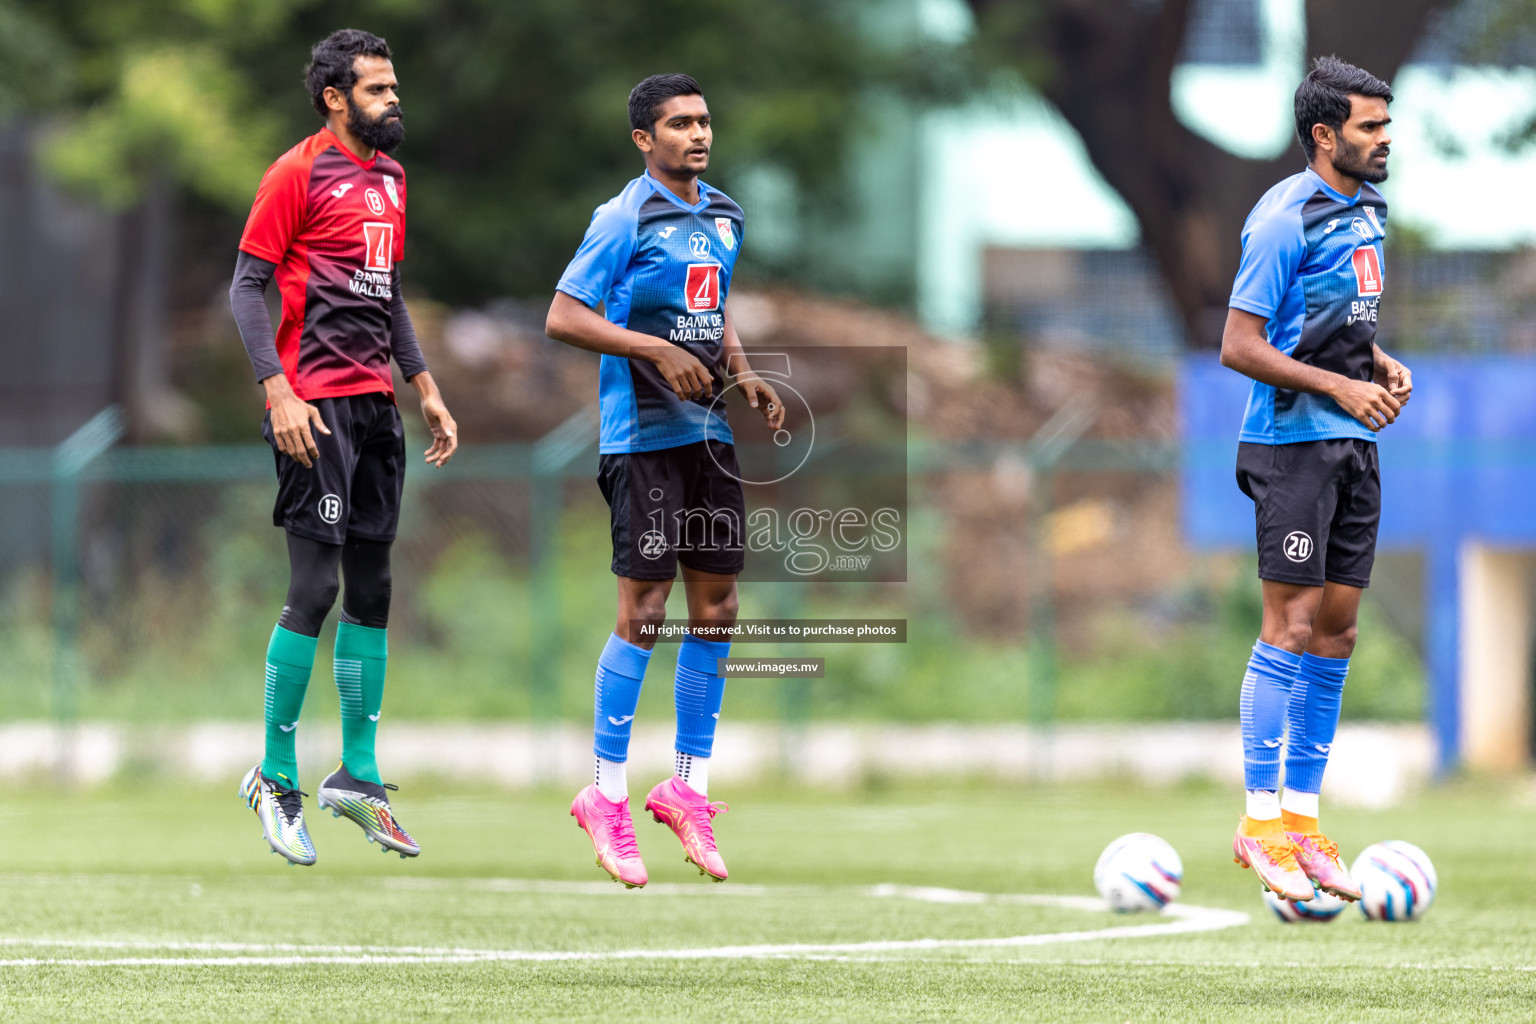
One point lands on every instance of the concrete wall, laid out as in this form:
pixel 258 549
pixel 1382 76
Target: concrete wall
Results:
pixel 1496 637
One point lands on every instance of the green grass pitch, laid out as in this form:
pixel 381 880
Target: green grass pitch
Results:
pixel 147 904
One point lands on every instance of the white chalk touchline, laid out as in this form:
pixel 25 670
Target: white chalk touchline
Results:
pixel 1176 920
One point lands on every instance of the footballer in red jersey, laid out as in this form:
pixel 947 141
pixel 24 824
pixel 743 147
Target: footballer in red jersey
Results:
pixel 329 224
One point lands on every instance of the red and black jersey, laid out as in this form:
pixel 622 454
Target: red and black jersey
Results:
pixel 334 225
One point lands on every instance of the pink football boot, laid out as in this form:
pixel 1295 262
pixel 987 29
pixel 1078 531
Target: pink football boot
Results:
pixel 1274 861
pixel 612 832
pixel 1319 859
pixel 675 804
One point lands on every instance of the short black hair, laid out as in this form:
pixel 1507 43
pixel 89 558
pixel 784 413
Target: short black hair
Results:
pixel 1323 97
pixel 331 63
pixel 645 99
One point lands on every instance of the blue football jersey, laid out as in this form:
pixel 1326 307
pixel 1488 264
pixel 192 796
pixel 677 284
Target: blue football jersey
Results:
pixel 660 267
pixel 1312 265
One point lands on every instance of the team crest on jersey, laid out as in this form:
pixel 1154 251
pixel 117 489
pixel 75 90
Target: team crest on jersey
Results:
pixel 389 187
pixel 1370 211
pixel 723 226
pixel 375 201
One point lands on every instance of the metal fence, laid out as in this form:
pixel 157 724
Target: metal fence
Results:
pixel 1046 580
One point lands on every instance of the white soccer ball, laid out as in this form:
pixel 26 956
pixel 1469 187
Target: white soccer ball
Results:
pixel 1396 879
pixel 1322 907
pixel 1138 871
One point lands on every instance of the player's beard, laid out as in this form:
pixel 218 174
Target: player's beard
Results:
pixel 382 134
pixel 1356 162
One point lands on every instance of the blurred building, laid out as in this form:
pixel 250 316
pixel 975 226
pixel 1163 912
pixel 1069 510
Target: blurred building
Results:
pixel 961 259
pixel 83 289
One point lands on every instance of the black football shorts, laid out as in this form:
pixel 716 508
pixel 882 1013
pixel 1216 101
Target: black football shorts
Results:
pixel 675 505
pixel 353 489
pixel 1316 508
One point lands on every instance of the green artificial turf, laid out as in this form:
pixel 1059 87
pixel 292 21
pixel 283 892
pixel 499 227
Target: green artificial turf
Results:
pixel 166 877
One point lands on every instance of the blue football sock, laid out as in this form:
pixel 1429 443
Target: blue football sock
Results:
pixel 698 692
pixel 620 671
pixel 1314 716
pixel 1266 692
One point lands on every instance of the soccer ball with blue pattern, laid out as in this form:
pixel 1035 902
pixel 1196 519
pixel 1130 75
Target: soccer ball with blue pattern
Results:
pixel 1396 879
pixel 1138 871
pixel 1322 908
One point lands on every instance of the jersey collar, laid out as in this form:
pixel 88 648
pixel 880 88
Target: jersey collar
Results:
pixel 1333 193
pixel 366 165
pixel 660 189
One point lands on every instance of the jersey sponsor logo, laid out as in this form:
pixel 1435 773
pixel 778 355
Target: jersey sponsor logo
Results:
pixel 728 236
pixel 698 244
pixel 701 290
pixel 704 327
pixel 379 246
pixel 389 186
pixel 339 192
pixel 1367 270
pixel 330 508
pixel 1298 546
pixel 1331 225
pixel 666 232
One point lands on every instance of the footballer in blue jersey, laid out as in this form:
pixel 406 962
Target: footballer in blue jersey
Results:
pixel 1302 323
pixel 657 260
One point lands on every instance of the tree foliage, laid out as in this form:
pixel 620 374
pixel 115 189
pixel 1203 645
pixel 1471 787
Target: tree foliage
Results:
pixel 516 118
pixel 1107 64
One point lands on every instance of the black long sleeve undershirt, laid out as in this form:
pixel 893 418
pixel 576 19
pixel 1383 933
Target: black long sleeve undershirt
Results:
pixel 248 301
pixel 403 334
pixel 247 298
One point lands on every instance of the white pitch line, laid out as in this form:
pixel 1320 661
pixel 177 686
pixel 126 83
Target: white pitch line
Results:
pixel 1179 919
pixel 1258 965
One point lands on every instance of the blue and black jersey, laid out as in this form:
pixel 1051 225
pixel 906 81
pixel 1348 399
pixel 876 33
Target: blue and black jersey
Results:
pixel 1312 264
pixel 663 268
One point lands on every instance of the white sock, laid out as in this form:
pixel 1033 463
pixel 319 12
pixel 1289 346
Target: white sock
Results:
pixel 694 771
pixel 1304 804
pixel 612 781
pixel 1263 804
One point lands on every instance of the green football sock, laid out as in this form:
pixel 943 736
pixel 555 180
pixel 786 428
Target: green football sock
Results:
pixel 290 656
pixel 361 654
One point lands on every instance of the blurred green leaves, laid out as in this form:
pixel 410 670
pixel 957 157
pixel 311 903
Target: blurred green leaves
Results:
pixel 516 113
pixel 173 112
pixel 35 72
pixel 131 92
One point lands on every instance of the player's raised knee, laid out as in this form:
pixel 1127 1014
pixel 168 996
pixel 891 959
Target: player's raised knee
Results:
pixel 1293 635
pixel 1334 643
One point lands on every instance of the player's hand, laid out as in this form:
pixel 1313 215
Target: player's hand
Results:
pixel 1393 376
pixel 292 418
pixel 761 396
pixel 687 377
pixel 1368 402
pixel 445 432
